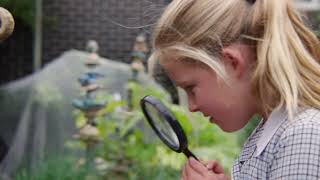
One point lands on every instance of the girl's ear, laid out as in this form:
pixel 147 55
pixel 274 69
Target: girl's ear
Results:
pixel 236 59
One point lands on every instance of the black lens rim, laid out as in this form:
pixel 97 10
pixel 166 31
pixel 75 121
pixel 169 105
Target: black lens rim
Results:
pixel 170 118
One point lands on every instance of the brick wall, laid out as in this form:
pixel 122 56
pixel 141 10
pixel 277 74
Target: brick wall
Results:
pixel 77 21
pixel 69 24
pixel 16 54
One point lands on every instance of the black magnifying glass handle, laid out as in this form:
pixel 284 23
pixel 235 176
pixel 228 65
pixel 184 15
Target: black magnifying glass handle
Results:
pixel 189 154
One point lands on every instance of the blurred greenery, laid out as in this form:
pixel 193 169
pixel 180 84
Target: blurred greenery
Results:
pixel 58 168
pixel 22 10
pixel 131 150
pixel 247 130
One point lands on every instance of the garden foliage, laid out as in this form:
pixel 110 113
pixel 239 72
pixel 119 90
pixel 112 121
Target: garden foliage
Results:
pixel 131 150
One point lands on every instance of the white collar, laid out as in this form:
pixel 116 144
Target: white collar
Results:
pixel 270 127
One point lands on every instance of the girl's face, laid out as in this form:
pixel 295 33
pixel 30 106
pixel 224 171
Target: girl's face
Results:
pixel 229 106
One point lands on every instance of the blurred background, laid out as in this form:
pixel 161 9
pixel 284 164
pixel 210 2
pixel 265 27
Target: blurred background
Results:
pixel 72 73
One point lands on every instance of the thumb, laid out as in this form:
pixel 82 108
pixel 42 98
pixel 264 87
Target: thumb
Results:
pixel 215 167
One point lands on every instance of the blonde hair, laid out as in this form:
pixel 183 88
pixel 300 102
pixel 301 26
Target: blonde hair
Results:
pixel 288 53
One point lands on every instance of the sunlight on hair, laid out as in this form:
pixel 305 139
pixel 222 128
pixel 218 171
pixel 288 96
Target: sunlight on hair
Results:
pixel 288 53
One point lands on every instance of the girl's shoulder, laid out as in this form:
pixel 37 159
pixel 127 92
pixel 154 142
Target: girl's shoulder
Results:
pixel 305 118
pixel 278 131
pixel 305 125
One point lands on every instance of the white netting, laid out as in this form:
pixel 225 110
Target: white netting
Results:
pixel 36 112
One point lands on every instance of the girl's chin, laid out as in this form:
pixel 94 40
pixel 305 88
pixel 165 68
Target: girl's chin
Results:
pixel 223 126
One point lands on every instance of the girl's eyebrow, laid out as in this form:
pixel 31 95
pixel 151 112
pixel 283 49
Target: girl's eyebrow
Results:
pixel 183 83
pixel 178 83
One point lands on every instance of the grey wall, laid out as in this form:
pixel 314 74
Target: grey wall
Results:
pixel 16 54
pixel 69 24
pixel 73 22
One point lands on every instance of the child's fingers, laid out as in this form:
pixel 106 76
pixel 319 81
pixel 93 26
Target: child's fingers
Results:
pixel 215 167
pixel 197 166
pixel 219 169
pixel 184 173
pixel 211 164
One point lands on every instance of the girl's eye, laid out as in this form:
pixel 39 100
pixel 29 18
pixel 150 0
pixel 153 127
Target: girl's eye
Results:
pixel 189 89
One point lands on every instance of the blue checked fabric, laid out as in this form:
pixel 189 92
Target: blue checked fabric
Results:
pixel 290 152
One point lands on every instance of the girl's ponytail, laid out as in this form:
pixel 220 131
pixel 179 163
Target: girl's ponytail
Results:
pixel 287 71
pixel 288 55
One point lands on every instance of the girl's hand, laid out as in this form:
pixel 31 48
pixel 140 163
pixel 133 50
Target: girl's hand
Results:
pixel 195 170
pixel 214 166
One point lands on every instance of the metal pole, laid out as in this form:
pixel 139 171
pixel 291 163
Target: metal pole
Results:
pixel 37 57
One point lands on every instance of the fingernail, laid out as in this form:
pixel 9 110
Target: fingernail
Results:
pixel 192 160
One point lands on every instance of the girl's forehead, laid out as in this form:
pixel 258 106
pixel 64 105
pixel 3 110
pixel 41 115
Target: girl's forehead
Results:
pixel 169 57
pixel 182 63
pixel 174 59
pixel 179 72
pixel 175 64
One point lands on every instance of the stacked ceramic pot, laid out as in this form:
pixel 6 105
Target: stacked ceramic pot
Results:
pixel 138 56
pixel 88 103
pixel 138 59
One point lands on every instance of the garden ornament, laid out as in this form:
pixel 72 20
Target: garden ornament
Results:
pixel 93 57
pixel 89 133
pixel 92 46
pixel 89 78
pixel 137 66
pixel 165 125
pixel 92 87
pixel 140 49
pixel 88 105
pixel 6 24
pixel 140 44
pixel 138 55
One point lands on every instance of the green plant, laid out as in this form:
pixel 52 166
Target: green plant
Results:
pixel 134 152
pixel 55 168
pixel 247 130
pixel 129 148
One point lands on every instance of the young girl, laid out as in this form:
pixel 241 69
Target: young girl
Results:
pixel 237 58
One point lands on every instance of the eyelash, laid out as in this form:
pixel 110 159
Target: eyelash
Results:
pixel 189 88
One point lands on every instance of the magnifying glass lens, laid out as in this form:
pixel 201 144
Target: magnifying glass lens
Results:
pixel 165 125
pixel 161 124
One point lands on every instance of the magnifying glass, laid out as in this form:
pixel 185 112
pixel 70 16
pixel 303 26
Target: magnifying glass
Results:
pixel 165 125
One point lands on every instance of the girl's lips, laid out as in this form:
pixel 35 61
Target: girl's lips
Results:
pixel 209 117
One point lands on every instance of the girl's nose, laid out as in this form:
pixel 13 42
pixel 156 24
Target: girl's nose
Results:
pixel 192 106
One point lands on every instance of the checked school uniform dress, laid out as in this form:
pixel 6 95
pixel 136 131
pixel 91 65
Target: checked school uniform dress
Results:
pixel 282 149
